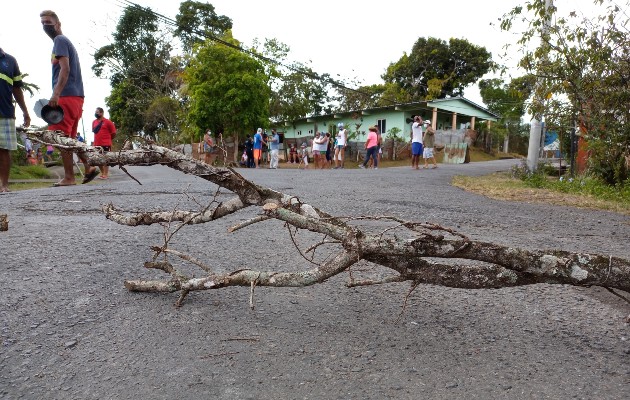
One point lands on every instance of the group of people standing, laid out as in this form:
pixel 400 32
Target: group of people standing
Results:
pixel 67 94
pixel 262 148
pixel 325 149
pixel 422 143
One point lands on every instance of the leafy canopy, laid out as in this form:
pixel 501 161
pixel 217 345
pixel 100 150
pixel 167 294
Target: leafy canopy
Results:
pixel 583 72
pixel 228 90
pixel 197 21
pixel 438 69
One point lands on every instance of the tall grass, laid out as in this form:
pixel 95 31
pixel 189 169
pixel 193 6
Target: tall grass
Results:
pixel 29 172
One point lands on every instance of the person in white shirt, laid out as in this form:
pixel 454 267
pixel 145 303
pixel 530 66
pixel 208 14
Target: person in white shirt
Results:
pixel 416 142
pixel 320 142
pixel 340 147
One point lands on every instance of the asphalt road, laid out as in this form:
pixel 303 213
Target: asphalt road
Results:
pixel 70 330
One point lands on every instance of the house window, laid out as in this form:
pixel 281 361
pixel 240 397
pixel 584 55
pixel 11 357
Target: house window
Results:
pixel 380 124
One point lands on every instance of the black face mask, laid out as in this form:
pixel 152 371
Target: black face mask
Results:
pixel 50 31
pixel 97 116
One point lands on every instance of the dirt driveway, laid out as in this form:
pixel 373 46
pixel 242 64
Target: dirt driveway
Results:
pixel 70 330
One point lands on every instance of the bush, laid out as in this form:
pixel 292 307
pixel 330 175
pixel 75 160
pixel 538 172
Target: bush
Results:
pixel 595 187
pixel 589 185
pixel 18 157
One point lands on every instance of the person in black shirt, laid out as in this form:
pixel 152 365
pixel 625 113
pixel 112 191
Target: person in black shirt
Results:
pixel 249 150
pixel 10 88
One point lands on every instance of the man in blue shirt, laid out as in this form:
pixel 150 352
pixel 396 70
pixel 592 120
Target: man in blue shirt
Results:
pixel 274 146
pixel 10 88
pixel 258 143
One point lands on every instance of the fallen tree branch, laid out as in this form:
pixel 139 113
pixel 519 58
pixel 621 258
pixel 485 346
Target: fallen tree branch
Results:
pixel 427 253
pixel 186 257
pixel 245 278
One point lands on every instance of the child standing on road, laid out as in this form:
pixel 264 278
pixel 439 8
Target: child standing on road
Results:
pixel 303 156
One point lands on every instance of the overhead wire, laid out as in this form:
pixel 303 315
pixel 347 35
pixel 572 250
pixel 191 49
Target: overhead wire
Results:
pixel 313 75
pixel 172 23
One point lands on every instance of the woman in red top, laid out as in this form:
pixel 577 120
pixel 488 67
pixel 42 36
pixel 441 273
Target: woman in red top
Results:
pixel 104 131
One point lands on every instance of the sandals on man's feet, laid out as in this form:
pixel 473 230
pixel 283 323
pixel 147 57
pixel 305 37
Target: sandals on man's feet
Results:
pixel 89 177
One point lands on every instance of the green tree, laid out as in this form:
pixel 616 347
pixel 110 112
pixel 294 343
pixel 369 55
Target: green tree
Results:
pixel 228 91
pixel 508 100
pixel 361 98
pixel 197 21
pixel 296 96
pixel 583 71
pixel 139 66
pixel 296 90
pixel 437 69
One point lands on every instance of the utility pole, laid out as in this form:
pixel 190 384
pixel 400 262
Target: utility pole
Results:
pixel 535 132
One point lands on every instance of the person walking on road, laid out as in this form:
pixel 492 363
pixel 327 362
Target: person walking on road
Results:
pixel 67 94
pixel 371 147
pixel 10 88
pixel 104 132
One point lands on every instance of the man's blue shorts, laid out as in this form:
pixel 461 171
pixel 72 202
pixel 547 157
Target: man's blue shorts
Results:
pixel 416 149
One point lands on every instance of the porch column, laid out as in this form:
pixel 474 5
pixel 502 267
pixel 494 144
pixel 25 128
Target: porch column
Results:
pixel 472 123
pixel 434 119
pixel 454 124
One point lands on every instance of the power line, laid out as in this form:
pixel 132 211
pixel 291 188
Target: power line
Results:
pixel 172 23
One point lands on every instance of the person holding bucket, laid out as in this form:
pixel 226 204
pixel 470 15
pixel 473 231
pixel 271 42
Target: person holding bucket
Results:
pixel 67 94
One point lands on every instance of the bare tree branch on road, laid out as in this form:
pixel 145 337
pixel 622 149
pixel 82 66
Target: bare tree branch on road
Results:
pixel 416 252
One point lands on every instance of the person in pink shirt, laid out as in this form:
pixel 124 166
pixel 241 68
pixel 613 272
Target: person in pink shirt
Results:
pixel 371 145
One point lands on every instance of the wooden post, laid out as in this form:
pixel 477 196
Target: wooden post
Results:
pixel 454 123
pixel 472 123
pixel 434 119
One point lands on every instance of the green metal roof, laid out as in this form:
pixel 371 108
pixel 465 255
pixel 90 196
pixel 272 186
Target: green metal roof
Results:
pixel 459 105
